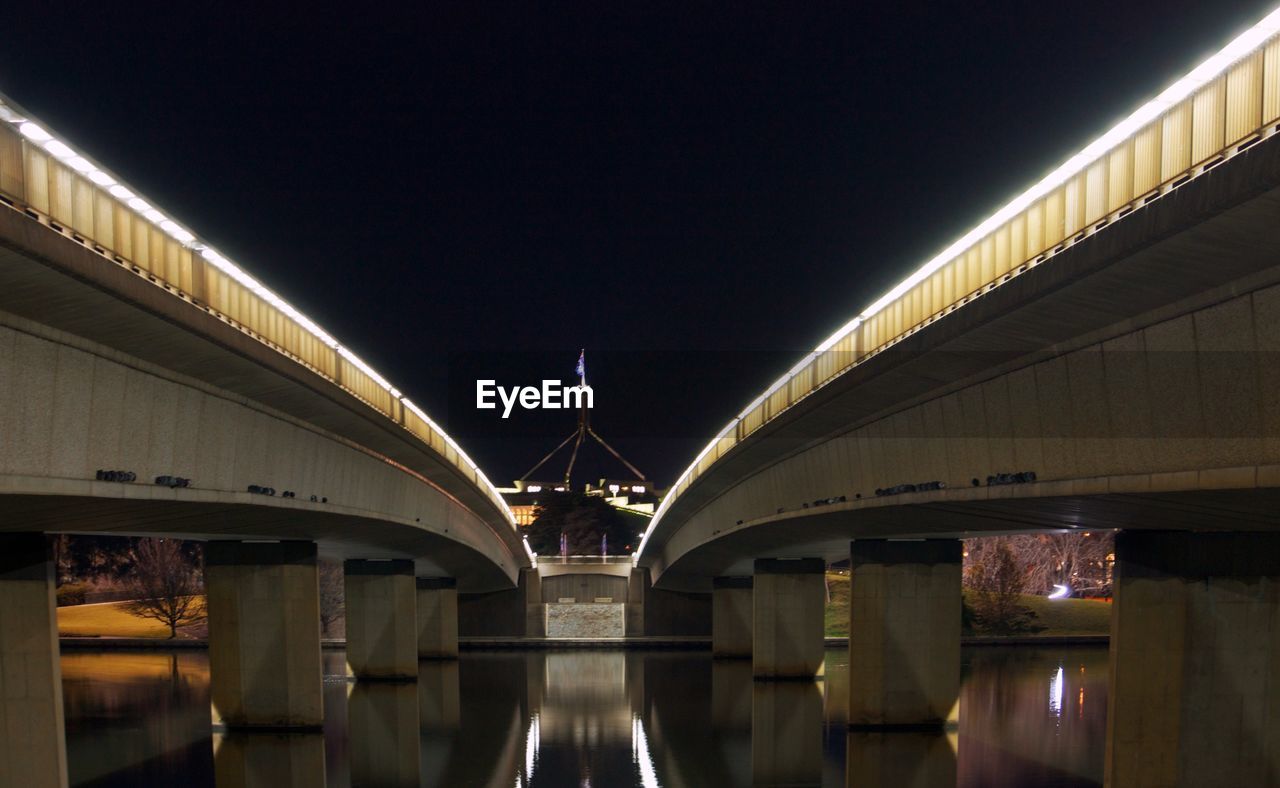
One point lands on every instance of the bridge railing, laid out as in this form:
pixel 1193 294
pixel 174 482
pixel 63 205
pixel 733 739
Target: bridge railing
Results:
pixel 1221 108
pixel 42 177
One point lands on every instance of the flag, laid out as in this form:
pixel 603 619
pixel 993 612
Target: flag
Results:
pixel 581 369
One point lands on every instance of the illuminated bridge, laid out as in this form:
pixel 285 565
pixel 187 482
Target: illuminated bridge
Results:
pixel 150 386
pixel 1099 353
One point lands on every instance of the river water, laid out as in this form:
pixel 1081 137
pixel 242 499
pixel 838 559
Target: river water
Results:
pixel 1029 718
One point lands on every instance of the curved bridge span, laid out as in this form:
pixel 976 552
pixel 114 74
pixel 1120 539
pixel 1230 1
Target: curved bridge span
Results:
pixel 1100 353
pixel 127 344
pixel 1109 330
pixel 150 386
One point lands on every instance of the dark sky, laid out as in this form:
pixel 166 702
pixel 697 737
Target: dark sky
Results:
pixel 695 193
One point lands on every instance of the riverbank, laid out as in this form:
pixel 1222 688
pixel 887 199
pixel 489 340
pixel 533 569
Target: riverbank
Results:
pixel 537 644
pixel 110 625
pixel 1068 618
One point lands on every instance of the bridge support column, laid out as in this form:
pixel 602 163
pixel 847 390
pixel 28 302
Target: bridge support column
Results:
pixel 1195 660
pixel 437 618
pixel 264 634
pixel 787 612
pixel 731 617
pixel 33 749
pixel 382 621
pixel 904 633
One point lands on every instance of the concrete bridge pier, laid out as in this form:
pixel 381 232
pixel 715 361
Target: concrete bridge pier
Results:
pixel 1195 660
pixel 33 749
pixel 731 617
pixel 904 633
pixel 264 634
pixel 787 612
pixel 382 620
pixel 437 618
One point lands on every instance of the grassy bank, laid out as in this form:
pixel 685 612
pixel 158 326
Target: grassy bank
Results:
pixel 1056 616
pixel 107 619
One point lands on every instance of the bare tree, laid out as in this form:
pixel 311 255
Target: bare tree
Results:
pixel 332 599
pixel 165 584
pixel 997 580
pixel 1080 561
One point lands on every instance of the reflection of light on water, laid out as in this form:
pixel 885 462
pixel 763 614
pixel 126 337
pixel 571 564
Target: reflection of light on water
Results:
pixel 532 740
pixel 640 754
pixel 1055 693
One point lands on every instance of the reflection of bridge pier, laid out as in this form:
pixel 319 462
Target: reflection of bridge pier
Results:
pixel 899 759
pixel 383 725
pixel 268 760
pixel 786 733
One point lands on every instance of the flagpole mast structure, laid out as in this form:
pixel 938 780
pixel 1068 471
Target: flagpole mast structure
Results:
pixel 583 430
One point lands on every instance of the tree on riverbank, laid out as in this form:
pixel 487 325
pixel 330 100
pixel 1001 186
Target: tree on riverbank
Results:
pixel 997 579
pixel 165 584
pixel 333 608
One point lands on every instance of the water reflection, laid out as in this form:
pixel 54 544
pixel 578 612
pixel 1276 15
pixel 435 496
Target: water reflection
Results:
pixel 786 733
pixel 1029 718
pixel 267 760
pixel 900 760
pixel 382 725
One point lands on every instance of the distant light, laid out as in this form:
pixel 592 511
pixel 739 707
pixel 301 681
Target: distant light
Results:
pixel 120 193
pixel 34 133
pixel 101 178
pixel 638 488
pixel 1060 592
pixel 533 488
pixel 138 204
pixel 153 216
pixel 613 488
pixel 80 164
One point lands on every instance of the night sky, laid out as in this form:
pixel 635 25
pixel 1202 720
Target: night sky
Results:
pixel 696 194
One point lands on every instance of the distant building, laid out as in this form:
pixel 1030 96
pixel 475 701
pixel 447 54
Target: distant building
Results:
pixel 630 495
